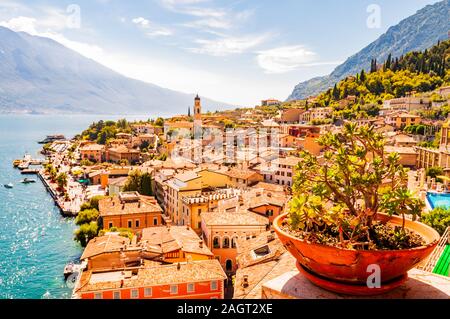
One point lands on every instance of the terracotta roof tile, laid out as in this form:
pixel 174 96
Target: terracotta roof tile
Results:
pixel 194 271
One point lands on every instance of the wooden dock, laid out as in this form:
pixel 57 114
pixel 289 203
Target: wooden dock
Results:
pixel 29 172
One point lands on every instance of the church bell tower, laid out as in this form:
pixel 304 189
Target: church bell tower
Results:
pixel 197 109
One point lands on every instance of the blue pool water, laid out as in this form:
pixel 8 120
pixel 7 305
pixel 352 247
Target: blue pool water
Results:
pixel 35 241
pixel 438 200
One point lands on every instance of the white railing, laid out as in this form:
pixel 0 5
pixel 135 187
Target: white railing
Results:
pixel 437 252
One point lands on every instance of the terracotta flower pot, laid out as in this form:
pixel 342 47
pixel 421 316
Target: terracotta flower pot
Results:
pixel 345 266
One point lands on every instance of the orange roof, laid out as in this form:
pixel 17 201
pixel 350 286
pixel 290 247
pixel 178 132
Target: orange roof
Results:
pixel 168 239
pixel 103 244
pixel 242 218
pixel 157 275
pixel 116 206
pixel 92 147
pixel 241 173
pixel 123 149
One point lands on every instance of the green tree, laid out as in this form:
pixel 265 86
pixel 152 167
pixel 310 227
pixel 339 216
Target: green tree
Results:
pixel 343 193
pixel 434 171
pixel 87 216
pixel 86 232
pixel 438 218
pixel 159 122
pixel 61 180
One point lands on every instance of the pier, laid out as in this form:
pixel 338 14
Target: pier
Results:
pixel 27 161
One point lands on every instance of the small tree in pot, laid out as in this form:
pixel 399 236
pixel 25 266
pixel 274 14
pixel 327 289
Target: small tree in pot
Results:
pixel 340 215
pixel 337 199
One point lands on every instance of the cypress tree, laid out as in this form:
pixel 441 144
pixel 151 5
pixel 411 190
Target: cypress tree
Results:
pixel 362 76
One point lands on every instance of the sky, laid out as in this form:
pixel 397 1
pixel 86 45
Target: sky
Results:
pixel 234 51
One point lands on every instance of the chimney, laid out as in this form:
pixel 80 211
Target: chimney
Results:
pixel 245 281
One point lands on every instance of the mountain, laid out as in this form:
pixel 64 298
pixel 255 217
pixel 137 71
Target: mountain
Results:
pixel 39 75
pixel 417 32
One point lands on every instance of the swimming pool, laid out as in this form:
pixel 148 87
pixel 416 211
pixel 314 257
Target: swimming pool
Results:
pixel 438 200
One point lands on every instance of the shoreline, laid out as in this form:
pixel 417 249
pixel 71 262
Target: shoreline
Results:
pixel 55 197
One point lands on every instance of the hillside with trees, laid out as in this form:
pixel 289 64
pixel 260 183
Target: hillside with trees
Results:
pixel 418 71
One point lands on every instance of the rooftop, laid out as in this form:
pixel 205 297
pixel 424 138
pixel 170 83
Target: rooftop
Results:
pixel 92 147
pixel 102 244
pixel 193 271
pixel 128 203
pixel 166 239
pixel 241 218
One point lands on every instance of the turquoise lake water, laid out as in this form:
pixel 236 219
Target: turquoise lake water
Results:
pixel 35 241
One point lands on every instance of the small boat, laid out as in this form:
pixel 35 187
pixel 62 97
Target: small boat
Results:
pixel 28 181
pixel 10 185
pixel 52 138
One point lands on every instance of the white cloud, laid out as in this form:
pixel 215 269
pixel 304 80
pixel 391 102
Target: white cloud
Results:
pixel 288 58
pixel 21 24
pixel 151 29
pixel 33 26
pixel 227 45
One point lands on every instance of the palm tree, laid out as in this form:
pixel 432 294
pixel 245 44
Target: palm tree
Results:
pixel 61 179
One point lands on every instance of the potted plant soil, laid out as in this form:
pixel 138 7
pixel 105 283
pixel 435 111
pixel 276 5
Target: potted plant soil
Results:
pixel 348 220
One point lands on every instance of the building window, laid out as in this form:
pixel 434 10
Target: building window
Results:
pixel 199 225
pixel 233 242
pixel 269 212
pixel 98 295
pixel 216 243
pixel 134 293
pixel 116 295
pixel 173 289
pixel 190 287
pixel 155 221
pixel 214 285
pixel 130 224
pixel 199 212
pixel 148 292
pixel 226 242
pixel 137 223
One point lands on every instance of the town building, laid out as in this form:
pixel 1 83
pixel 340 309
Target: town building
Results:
pixel 400 120
pixel 270 102
pixel 194 205
pixel 408 103
pixel 202 279
pixel 243 177
pixel 93 152
pixel 317 113
pixel 280 171
pixel 289 116
pixel 222 228
pixel 121 153
pixel 429 157
pixel 260 260
pixel 130 210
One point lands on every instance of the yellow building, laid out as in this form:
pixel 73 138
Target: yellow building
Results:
pixel 427 157
pixel 195 205
pixel 187 184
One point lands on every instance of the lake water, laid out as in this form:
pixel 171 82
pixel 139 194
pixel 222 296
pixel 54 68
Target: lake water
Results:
pixel 35 241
